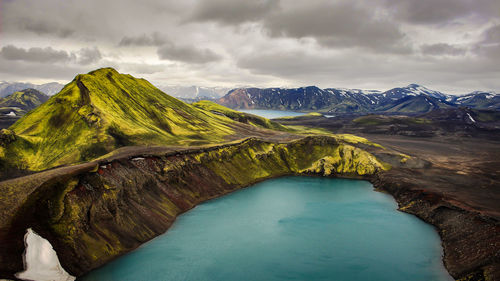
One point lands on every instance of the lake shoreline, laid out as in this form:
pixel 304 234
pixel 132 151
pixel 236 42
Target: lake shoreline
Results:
pixel 426 205
pixel 348 219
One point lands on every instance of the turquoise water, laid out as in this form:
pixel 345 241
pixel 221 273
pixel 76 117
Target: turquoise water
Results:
pixel 291 228
pixel 270 114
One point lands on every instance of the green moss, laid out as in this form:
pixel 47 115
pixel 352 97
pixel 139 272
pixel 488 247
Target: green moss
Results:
pixel 257 160
pixel 355 140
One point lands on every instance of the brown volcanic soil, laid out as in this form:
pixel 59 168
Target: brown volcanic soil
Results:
pixel 465 170
pixel 458 190
pixel 459 193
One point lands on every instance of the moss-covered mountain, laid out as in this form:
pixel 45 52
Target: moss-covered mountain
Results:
pixel 22 101
pixel 102 110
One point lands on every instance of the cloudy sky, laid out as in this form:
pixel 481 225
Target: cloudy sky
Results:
pixel 447 45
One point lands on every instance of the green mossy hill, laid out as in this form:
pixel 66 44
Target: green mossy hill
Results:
pixel 102 110
pixel 22 101
pixel 247 118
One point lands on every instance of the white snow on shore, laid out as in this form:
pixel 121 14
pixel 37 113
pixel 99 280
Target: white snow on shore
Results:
pixel 40 260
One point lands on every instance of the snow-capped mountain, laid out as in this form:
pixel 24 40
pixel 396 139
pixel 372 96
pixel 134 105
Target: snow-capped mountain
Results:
pixel 413 98
pixel 413 90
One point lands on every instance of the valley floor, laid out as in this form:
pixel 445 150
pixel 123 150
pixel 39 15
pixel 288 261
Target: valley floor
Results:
pixel 456 187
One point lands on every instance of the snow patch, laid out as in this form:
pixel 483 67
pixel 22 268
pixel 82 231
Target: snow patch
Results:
pixel 137 158
pixel 40 260
pixel 12 113
pixel 470 117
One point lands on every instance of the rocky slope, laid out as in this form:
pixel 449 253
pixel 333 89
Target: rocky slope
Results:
pixel 94 212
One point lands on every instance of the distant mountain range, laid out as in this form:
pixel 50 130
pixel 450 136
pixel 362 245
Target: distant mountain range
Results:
pixel 413 98
pixel 194 92
pixel 8 88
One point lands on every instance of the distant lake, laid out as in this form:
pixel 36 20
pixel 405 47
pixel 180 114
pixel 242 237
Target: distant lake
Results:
pixel 270 114
pixel 291 228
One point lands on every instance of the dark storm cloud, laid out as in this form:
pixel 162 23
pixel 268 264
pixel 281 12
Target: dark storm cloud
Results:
pixel 89 55
pixel 338 25
pixel 232 11
pixel 154 39
pixel 442 11
pixel 47 54
pixel 440 49
pixel 188 54
pixel 334 24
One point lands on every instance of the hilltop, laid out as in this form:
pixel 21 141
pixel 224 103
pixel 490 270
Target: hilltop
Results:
pixel 103 110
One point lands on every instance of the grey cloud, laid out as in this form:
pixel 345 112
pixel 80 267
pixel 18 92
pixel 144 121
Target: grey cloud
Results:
pixel 84 56
pixel 12 70
pixel 272 42
pixel 44 27
pixel 232 11
pixel 350 71
pixel 489 51
pixel 46 55
pixel 155 39
pixel 442 49
pixel 89 55
pixel 492 35
pixel 187 54
pixel 290 63
pixel 141 68
pixel 338 25
pixel 489 46
pixel 442 11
